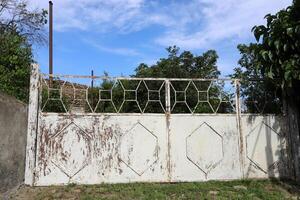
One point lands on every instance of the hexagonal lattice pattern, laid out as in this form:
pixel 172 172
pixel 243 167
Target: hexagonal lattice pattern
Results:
pixel 64 92
pixel 71 149
pixel 262 147
pixel 204 148
pixel 212 93
pixel 137 95
pixel 51 93
pixel 138 149
pixel 130 95
pixel 156 92
pixel 106 98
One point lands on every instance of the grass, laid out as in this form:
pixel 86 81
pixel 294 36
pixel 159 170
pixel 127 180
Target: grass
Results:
pixel 246 189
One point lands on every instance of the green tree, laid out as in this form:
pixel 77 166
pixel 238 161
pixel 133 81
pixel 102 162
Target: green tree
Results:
pixel 278 54
pixel 185 65
pixel 15 60
pixel 275 57
pixel 16 16
pixel 258 93
pixel 278 46
pixel 19 28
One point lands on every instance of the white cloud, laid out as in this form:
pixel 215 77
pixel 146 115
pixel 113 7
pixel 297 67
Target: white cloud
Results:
pixel 113 50
pixel 91 14
pixel 194 24
pixel 222 19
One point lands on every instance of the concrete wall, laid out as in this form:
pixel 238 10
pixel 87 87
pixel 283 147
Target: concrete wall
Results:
pixel 13 128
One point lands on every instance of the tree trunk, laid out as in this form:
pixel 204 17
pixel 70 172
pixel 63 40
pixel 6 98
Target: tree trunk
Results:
pixel 292 113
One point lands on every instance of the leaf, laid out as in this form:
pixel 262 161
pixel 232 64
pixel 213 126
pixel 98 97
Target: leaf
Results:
pixel 285 47
pixel 289 31
pixel 264 54
pixel 269 18
pixel 270 73
pixel 287 75
pixel 297 29
pixel 253 28
pixel 270 55
pixel 277 44
pixel 257 35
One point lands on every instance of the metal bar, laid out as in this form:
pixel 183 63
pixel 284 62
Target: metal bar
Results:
pixel 135 78
pixel 149 79
pixel 139 114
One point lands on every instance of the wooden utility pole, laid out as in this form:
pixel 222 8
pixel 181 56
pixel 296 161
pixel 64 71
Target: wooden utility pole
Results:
pixel 92 90
pixel 51 42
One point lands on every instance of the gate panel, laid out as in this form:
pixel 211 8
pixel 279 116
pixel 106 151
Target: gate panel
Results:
pixel 204 147
pixel 265 151
pixel 94 149
pixel 79 141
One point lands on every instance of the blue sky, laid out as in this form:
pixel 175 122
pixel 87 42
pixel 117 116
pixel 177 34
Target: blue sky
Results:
pixel 116 35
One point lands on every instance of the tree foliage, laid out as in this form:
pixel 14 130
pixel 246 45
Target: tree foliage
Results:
pixel 19 28
pixel 274 59
pixel 184 65
pixel 259 94
pixel 15 60
pixel 278 46
pixel 15 16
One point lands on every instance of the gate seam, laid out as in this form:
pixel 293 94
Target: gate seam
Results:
pixel 168 115
pixel 239 126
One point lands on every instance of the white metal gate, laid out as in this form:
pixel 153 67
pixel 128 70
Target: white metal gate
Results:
pixel 83 143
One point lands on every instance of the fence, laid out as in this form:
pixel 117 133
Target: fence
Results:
pixel 153 95
pixel 88 129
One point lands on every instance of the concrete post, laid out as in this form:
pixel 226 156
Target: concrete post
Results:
pixel 32 125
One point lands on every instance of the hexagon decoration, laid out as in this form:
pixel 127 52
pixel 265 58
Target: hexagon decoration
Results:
pixel 154 94
pixel 229 102
pixel 101 96
pixel 221 97
pixel 129 94
pixel 138 149
pixel 52 94
pixel 180 94
pixel 71 149
pixel 202 90
pixel 262 147
pixel 80 96
pixel 213 93
pixel 204 148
